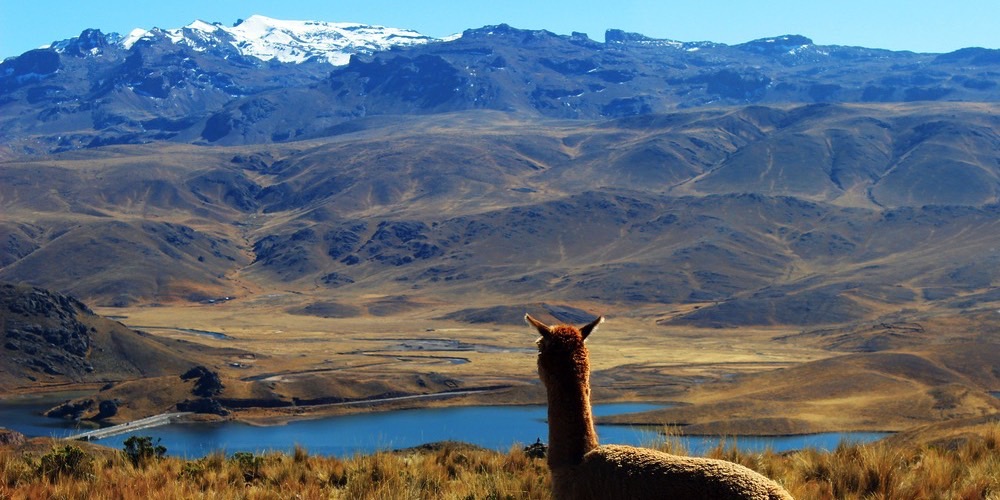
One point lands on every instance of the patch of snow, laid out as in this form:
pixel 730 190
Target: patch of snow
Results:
pixel 796 50
pixel 202 26
pixel 30 76
pixel 134 36
pixel 269 39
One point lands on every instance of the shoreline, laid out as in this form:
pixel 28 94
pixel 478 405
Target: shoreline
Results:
pixel 484 396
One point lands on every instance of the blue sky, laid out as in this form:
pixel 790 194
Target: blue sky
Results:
pixel 919 25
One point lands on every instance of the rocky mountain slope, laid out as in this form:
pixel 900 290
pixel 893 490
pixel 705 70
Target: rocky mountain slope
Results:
pixel 266 81
pixel 53 339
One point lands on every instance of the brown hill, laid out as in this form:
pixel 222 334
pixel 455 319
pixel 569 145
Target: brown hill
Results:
pixel 803 215
pixel 884 391
pixel 51 339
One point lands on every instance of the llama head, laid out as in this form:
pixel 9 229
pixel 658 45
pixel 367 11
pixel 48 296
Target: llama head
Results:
pixel 561 350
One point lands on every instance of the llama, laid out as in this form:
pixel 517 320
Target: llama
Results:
pixel 583 470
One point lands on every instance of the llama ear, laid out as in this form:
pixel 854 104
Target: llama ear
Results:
pixel 542 327
pixel 590 327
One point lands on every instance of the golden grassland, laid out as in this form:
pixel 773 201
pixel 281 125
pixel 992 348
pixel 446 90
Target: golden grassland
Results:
pixel 745 381
pixel 728 381
pixel 295 343
pixel 962 469
pixel 277 353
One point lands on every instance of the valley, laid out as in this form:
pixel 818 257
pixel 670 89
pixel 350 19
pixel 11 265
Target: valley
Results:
pixel 785 238
pixel 763 381
pixel 293 353
pixel 399 260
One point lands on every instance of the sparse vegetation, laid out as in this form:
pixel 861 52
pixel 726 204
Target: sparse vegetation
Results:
pixel 961 469
pixel 141 450
pixel 65 461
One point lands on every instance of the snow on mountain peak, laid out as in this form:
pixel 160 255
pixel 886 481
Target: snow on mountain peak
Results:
pixel 288 41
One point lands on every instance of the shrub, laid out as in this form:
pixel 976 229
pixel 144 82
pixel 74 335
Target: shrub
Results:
pixel 192 470
pixel 140 450
pixel 67 460
pixel 248 464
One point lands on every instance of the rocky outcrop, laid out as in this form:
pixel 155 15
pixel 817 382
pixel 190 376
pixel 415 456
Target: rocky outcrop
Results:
pixel 71 410
pixel 203 405
pixel 43 331
pixel 11 438
pixel 207 383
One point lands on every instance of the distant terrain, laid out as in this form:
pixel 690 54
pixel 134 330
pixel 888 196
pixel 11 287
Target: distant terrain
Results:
pixel 795 215
pixel 786 237
pixel 224 87
pixel 51 340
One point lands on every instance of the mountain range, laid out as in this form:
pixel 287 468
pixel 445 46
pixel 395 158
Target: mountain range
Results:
pixel 775 182
pixel 266 81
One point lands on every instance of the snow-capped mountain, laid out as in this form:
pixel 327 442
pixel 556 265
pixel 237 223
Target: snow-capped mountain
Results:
pixel 286 41
pixel 265 80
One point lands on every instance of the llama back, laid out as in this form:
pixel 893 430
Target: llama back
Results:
pixel 626 472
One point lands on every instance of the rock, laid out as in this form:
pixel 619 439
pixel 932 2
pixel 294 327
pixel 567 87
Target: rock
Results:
pixel 70 410
pixel 107 409
pixel 203 405
pixel 208 384
pixel 11 438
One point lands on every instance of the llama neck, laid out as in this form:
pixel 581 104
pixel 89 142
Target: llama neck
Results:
pixel 571 424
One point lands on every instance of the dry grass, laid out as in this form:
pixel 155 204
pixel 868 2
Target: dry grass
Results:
pixel 453 471
pixel 312 357
pixel 968 469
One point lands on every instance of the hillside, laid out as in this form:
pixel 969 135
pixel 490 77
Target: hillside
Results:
pixel 51 340
pixel 774 182
pixel 883 391
pixel 798 215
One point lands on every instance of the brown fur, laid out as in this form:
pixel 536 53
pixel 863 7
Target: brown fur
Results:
pixel 583 470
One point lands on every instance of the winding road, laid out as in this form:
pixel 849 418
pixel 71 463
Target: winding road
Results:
pixel 444 394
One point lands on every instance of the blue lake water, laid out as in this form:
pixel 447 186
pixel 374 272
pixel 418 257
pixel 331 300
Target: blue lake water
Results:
pixel 495 427
pixel 23 414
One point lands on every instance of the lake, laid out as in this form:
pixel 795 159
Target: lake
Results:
pixel 494 427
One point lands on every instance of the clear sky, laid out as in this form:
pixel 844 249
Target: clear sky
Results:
pixel 918 25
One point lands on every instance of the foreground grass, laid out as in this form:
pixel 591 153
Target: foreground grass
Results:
pixel 968 469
